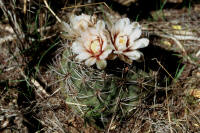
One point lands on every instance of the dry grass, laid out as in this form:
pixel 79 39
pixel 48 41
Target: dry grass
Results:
pixel 32 101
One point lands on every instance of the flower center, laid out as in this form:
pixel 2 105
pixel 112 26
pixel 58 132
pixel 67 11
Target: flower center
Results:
pixel 95 46
pixel 122 40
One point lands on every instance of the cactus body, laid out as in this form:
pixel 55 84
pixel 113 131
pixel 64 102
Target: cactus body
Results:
pixel 96 95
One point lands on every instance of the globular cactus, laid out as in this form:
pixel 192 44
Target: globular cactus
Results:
pixel 98 94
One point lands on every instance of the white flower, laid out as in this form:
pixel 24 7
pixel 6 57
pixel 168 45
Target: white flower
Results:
pixel 93 46
pixel 124 36
pixel 81 22
pixel 78 24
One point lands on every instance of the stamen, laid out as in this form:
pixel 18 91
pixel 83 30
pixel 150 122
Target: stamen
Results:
pixel 95 47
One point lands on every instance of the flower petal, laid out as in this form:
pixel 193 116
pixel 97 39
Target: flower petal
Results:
pixel 82 56
pixel 135 34
pixel 141 43
pixel 120 24
pixel 105 54
pixel 91 61
pixel 100 25
pixel 134 55
pixel 65 27
pixel 81 22
pixel 101 64
pixel 105 41
pixel 77 47
pixel 127 30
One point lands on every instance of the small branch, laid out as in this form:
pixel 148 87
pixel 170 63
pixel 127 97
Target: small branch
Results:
pixel 25 5
pixel 92 4
pixel 77 104
pixel 198 54
pixel 59 20
pixel 39 89
pixel 168 111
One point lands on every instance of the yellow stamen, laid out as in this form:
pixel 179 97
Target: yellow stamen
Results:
pixel 95 46
pixel 122 40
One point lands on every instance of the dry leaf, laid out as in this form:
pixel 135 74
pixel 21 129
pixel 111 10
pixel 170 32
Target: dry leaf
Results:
pixel 195 93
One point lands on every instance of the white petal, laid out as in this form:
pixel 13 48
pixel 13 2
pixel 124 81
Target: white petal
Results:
pixel 141 43
pixel 134 55
pixel 65 27
pixel 120 24
pixel 135 34
pixel 86 38
pixel 86 17
pixel 91 61
pixel 101 64
pixel 127 30
pixel 105 41
pixel 82 56
pixel 105 54
pixel 100 25
pixel 77 47
pixel 80 23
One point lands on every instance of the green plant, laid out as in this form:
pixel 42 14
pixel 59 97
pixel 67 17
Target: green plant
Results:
pixel 96 95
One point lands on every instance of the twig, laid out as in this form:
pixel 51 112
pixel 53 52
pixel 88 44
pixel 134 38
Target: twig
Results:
pixel 77 104
pixel 163 68
pixel 25 4
pixel 168 111
pixel 92 4
pixel 59 20
pixel 182 37
pixel 198 54
pixel 175 40
pixel 39 89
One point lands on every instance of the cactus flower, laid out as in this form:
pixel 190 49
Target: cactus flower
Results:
pixel 125 40
pixel 78 24
pixel 81 22
pixel 93 46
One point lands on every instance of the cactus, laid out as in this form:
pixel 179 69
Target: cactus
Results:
pixel 97 95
